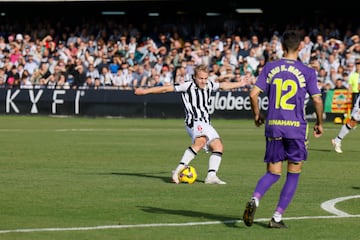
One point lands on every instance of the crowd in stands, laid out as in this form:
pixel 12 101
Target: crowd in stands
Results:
pixel 118 57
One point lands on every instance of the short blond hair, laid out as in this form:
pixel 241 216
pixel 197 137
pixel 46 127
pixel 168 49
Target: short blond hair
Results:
pixel 201 68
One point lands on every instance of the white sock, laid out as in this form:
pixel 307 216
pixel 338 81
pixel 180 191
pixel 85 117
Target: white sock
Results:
pixel 277 216
pixel 256 201
pixel 214 162
pixel 185 160
pixel 343 132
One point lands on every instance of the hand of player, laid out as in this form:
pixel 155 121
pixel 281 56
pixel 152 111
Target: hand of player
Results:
pixel 259 120
pixel 139 91
pixel 318 130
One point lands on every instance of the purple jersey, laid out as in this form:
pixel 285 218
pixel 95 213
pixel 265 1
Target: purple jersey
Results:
pixel 286 83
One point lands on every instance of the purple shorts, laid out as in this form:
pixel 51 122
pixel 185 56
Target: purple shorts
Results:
pixel 283 149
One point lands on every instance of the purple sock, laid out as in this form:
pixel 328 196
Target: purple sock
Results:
pixel 264 184
pixel 288 191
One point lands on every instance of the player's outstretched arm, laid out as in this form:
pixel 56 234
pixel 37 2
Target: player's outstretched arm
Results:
pixel 155 90
pixel 231 85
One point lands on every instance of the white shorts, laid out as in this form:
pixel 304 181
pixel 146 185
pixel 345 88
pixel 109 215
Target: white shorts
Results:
pixel 355 113
pixel 202 129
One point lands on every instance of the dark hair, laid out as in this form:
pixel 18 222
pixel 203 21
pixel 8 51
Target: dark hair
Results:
pixel 291 40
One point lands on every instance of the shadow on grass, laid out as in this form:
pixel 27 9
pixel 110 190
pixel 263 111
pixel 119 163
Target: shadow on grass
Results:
pixel 261 224
pixel 166 179
pixel 226 220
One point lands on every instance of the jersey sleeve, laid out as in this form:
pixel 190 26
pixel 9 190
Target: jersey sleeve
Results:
pixel 182 87
pixel 312 86
pixel 215 85
pixel 261 79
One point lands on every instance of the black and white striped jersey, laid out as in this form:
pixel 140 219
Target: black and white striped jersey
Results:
pixel 196 101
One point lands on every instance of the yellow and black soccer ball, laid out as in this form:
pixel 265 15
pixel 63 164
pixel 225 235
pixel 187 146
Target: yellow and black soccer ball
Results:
pixel 188 175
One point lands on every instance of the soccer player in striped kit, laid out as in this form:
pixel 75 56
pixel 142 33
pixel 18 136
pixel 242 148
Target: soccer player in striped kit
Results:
pixel 348 126
pixel 286 82
pixel 196 99
pixel 354 87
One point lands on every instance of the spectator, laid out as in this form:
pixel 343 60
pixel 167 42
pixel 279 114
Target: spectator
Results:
pixel 13 78
pixel 31 65
pixel 140 75
pixel 92 72
pixel 79 74
pixel 165 76
pixel 41 75
pixel 339 84
pixel 106 77
pixel 98 45
pixel 353 83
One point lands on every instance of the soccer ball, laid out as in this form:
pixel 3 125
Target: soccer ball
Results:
pixel 338 120
pixel 188 175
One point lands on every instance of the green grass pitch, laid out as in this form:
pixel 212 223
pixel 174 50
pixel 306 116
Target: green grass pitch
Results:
pixel 107 178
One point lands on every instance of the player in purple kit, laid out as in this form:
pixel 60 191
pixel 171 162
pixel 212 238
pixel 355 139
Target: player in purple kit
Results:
pixel 286 82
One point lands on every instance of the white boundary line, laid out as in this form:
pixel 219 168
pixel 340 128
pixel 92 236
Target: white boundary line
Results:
pixel 328 206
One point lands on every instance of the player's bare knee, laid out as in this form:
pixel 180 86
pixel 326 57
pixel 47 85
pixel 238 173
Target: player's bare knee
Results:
pixel 216 145
pixel 294 167
pixel 352 123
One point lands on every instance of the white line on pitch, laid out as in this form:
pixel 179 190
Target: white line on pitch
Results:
pixel 158 225
pixel 328 206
